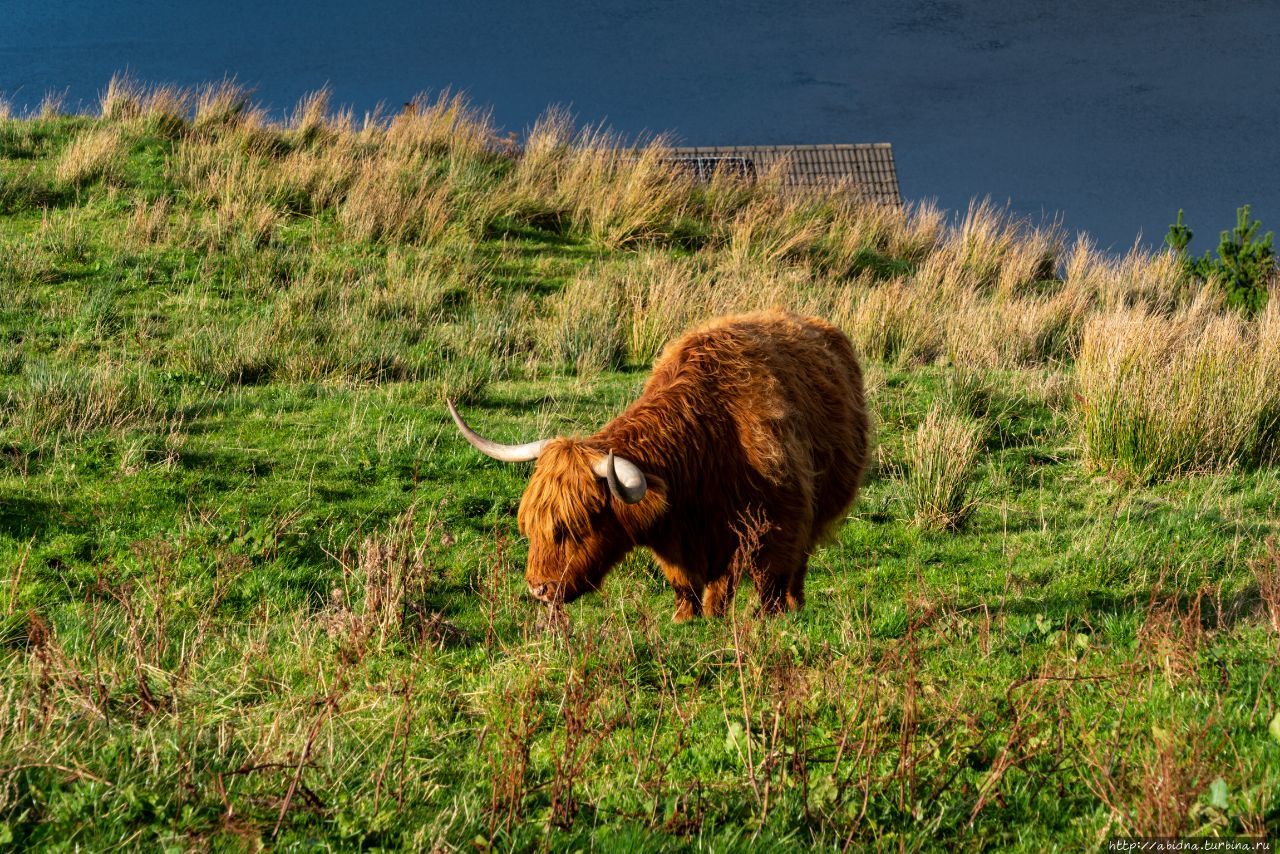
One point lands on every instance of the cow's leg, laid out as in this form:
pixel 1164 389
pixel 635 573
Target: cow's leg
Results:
pixel 717 596
pixel 780 558
pixel 688 605
pixel 795 589
pixel 688 593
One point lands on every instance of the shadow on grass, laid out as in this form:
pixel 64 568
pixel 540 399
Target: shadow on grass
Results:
pixel 1216 613
pixel 23 517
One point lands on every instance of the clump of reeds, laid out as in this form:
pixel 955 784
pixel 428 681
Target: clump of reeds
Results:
pixel 445 125
pixel 1152 278
pixel 55 402
pixel 149 223
pixel 392 201
pixel 1014 332
pixel 162 109
pixel 221 104
pixel 589 179
pixel 896 322
pixel 772 231
pixel 52 105
pixel 1159 395
pixel 642 305
pixel 940 460
pixel 97 153
pixel 586 332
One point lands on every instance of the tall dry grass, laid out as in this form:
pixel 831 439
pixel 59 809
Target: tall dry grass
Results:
pixel 858 234
pixel 162 109
pixel 52 105
pixel 398 180
pixel 390 201
pixel 986 292
pixel 589 179
pixel 646 302
pixel 940 460
pixel 445 125
pixel 96 154
pixel 1161 394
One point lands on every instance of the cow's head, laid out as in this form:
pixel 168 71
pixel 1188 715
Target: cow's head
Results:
pixel 581 511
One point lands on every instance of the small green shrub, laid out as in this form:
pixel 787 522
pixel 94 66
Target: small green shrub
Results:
pixel 1245 267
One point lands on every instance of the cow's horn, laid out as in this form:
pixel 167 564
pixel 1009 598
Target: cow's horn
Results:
pixel 506 453
pixel 626 481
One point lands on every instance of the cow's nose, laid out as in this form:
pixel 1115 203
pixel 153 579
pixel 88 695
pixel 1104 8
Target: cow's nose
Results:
pixel 540 591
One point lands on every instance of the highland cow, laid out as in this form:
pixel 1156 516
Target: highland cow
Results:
pixel 750 435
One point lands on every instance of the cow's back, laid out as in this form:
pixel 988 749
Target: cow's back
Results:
pixel 791 390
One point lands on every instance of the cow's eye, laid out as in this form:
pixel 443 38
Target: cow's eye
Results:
pixel 558 534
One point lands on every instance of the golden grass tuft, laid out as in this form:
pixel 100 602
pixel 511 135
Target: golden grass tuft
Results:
pixel 165 109
pixel 940 459
pixel 1160 395
pixel 312 118
pixel 96 154
pixel 390 201
pixel 52 105
pixel 858 229
pixel 1014 332
pixel 654 298
pixel 611 193
pixel 149 224
pixel 446 125
pixel 771 231
pixel 224 104
pixel 896 322
pixel 1153 278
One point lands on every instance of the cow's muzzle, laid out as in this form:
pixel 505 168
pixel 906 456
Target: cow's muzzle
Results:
pixel 545 592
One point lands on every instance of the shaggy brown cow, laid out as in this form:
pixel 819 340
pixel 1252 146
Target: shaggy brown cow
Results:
pixel 750 427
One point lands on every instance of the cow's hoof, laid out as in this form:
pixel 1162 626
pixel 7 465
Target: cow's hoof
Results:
pixel 684 613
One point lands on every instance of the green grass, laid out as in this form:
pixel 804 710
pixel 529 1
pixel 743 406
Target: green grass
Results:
pixel 255 589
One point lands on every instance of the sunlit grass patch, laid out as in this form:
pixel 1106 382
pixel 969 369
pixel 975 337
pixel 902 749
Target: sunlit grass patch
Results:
pixel 940 458
pixel 65 402
pixel 96 154
pixel 1159 396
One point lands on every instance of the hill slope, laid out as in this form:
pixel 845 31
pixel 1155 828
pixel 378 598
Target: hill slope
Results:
pixel 255 588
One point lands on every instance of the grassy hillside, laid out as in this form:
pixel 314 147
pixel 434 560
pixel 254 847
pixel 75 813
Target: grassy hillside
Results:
pixel 255 590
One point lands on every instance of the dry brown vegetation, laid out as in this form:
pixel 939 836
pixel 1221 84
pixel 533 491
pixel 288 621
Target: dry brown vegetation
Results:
pixel 1169 379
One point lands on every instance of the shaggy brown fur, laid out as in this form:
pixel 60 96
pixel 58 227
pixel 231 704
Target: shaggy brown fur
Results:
pixel 759 417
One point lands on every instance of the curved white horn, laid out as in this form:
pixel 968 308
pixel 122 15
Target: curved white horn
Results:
pixel 507 453
pixel 626 481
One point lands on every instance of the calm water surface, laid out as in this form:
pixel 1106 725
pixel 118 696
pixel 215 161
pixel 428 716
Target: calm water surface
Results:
pixel 1110 115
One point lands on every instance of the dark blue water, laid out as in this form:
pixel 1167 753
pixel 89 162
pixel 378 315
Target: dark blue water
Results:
pixel 1111 115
